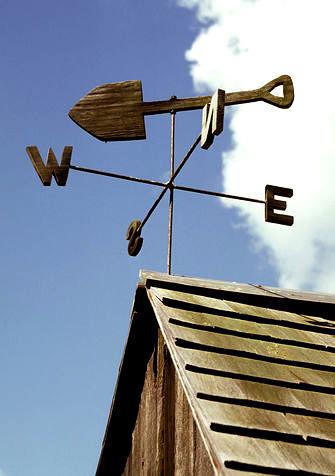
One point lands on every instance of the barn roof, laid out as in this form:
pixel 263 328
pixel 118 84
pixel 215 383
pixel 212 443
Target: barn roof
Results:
pixel 257 367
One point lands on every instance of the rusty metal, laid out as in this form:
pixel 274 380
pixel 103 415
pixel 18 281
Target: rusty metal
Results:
pixel 115 111
pixel 118 176
pixel 172 146
pixel 168 184
pixel 164 184
pixel 134 238
pixel 217 194
pixel 135 228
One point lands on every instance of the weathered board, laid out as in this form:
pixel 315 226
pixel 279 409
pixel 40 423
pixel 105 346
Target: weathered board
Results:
pixel 110 107
pixel 313 329
pixel 260 381
pixel 267 420
pixel 270 372
pixel 151 429
pixel 249 453
pixel 165 438
pixel 210 287
pixel 235 381
pixel 237 389
pixel 245 326
pixel 255 349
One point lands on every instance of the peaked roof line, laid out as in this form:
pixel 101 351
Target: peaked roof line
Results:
pixel 256 365
pixel 257 368
pixel 305 302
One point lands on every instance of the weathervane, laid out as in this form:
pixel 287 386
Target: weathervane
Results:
pixel 115 112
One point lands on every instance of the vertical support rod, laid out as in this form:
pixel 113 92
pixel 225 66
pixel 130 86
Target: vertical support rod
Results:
pixel 172 143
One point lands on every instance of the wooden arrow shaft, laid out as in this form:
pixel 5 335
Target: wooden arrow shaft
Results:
pixel 185 104
pixel 115 111
pixel 151 108
pixel 261 94
pixel 264 94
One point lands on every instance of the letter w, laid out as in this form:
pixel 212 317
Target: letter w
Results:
pixel 51 168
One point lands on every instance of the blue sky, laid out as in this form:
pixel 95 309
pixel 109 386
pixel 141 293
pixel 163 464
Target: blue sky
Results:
pixel 67 282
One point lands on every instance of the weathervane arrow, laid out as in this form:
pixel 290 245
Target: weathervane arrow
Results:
pixel 115 111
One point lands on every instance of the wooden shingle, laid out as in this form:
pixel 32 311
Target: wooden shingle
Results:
pixel 242 375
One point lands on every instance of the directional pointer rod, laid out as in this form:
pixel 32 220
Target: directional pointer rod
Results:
pixel 261 94
pixel 115 111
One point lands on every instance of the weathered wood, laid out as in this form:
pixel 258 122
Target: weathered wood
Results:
pixel 111 112
pixel 143 450
pixel 207 412
pixel 122 419
pixel 228 325
pixel 317 326
pixel 273 454
pixel 201 422
pixel 305 426
pixel 191 456
pixel 151 108
pixel 258 349
pixel 165 439
pixel 169 408
pixel 222 290
pixel 236 388
pixel 244 325
pixel 51 168
pixel 159 389
pixel 273 372
pixel 264 94
pixel 115 111
pixel 272 440
pixel 320 330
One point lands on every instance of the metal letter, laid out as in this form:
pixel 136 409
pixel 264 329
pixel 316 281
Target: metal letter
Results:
pixel 134 237
pixel 51 168
pixel 271 204
pixel 212 119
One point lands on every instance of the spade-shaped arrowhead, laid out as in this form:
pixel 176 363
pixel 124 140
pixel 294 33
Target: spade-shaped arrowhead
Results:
pixel 112 112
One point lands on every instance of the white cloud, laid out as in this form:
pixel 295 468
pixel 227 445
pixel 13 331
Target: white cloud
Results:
pixel 242 44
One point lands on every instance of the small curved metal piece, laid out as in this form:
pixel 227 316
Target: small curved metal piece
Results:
pixel 132 228
pixel 135 246
pixel 133 235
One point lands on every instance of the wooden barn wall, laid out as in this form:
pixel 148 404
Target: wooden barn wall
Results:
pixel 165 439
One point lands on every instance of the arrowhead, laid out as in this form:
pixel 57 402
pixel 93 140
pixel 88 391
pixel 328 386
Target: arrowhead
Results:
pixel 112 112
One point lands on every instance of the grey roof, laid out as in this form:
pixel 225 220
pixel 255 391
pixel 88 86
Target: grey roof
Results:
pixel 257 367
